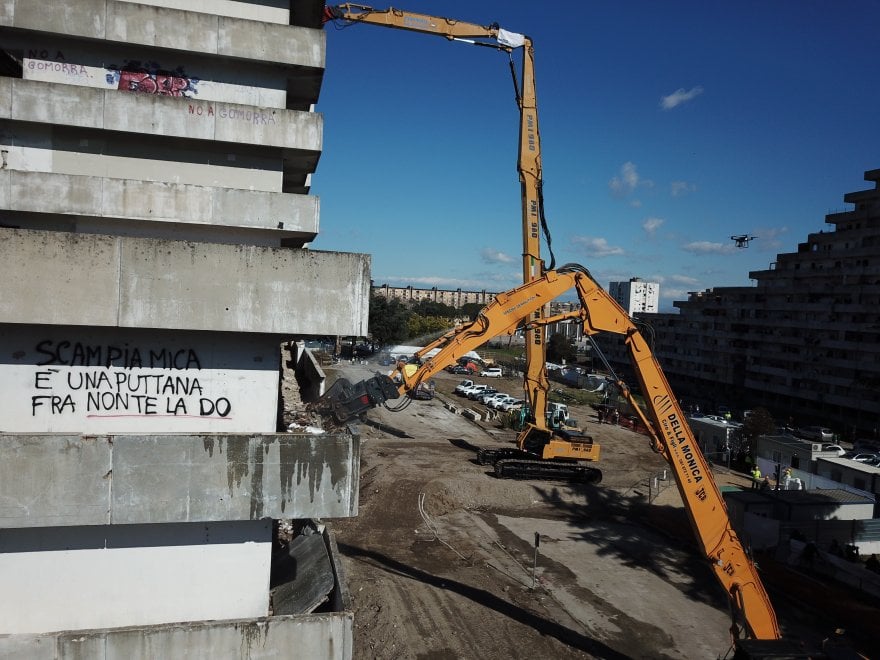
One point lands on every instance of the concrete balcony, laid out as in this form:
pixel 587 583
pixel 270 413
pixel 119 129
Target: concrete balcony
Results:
pixel 162 116
pixel 125 206
pixel 176 478
pixel 95 280
pixel 162 27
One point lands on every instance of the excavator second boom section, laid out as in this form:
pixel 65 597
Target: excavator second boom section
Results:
pixel 669 430
pixel 536 384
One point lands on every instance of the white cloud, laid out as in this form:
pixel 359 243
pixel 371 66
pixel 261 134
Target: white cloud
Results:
pixel 679 188
pixel 679 280
pixel 628 181
pixel 651 225
pixel 707 247
pixel 679 96
pixel 493 256
pixel 769 238
pixel 595 247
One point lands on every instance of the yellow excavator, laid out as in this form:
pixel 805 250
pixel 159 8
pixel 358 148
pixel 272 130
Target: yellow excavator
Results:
pixel 543 450
pixel 754 618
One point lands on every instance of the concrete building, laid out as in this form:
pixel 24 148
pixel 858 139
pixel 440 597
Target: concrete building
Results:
pixel 804 342
pixel 636 296
pixel 453 297
pixel 154 223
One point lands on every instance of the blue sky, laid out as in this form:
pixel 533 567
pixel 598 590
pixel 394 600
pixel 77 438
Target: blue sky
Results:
pixel 666 127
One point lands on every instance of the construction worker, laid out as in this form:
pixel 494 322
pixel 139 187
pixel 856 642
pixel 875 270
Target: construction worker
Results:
pixel 756 477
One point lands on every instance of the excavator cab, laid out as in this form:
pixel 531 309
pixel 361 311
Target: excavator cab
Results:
pixel 547 443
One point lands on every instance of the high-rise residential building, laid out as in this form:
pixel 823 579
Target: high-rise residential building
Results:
pixel 803 342
pixel 154 222
pixel 636 296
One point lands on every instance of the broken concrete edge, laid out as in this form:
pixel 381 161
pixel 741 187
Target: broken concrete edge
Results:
pixel 272 635
pixel 341 600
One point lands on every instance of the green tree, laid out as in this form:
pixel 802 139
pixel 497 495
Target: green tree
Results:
pixel 425 329
pixel 388 320
pixel 432 308
pixel 560 348
pixel 471 310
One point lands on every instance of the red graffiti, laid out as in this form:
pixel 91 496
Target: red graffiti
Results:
pixel 144 82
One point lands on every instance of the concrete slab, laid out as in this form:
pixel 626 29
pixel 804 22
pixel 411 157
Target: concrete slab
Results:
pixel 318 637
pixel 90 280
pixel 85 198
pixel 63 480
pixel 311 577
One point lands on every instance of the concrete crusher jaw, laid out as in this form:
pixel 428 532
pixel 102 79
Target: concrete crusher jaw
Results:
pixel 345 401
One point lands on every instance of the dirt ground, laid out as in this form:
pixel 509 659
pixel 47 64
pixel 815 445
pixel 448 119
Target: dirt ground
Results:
pixel 441 560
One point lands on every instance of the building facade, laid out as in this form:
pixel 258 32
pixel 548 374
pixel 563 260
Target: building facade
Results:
pixel 636 296
pixel 453 297
pixel 804 342
pixel 155 218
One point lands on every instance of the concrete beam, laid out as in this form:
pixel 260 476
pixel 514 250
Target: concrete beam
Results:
pixel 139 24
pixel 112 110
pixel 72 480
pixel 317 636
pixel 285 216
pixel 93 280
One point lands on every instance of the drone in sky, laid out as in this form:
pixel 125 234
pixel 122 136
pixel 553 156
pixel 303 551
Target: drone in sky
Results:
pixel 742 240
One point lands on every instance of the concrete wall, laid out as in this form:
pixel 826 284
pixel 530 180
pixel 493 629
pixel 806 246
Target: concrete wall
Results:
pixel 27 147
pixel 102 380
pixel 285 217
pixel 67 105
pixel 326 636
pixel 144 283
pixel 140 24
pixel 72 480
pixel 132 575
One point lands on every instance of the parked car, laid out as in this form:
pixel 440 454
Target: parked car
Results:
pixel 489 401
pixel 459 389
pixel 507 406
pixel 478 395
pixel 473 389
pixel 497 401
pixel 487 394
pixel 492 372
pixel 840 450
pixel 815 433
pixel 459 369
pixel 863 457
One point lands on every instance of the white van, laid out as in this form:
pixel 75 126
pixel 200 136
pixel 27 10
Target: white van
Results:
pixel 491 372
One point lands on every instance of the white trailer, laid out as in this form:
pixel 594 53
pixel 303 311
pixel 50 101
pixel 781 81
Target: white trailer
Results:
pixel 716 436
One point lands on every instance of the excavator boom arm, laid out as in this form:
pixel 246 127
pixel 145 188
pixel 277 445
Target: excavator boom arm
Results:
pixel 536 383
pixel 345 401
pixel 703 501
pixel 671 434
pixel 407 20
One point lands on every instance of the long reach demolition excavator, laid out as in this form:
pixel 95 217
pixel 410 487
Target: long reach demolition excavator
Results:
pixel 565 454
pixel 542 451
pixel 670 435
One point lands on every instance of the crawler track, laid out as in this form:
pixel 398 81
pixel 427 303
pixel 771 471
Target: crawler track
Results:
pixel 519 464
pixel 515 468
